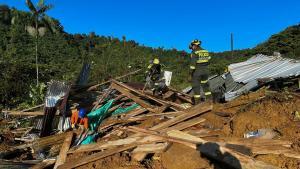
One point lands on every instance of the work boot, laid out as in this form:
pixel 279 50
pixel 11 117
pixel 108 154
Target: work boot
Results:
pixel 209 99
pixel 196 101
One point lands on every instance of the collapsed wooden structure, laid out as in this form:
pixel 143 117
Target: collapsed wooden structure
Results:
pixel 173 120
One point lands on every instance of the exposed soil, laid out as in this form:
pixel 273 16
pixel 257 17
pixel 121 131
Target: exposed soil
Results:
pixel 257 110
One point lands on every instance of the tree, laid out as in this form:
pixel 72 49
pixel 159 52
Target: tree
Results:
pixel 39 16
pixel 5 16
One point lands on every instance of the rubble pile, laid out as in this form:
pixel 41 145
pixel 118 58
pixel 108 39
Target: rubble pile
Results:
pixel 129 126
pixel 258 130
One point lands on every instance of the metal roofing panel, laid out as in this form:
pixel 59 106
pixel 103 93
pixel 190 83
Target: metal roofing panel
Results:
pixel 262 66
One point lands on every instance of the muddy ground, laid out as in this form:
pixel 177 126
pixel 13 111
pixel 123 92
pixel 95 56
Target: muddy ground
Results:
pixel 258 110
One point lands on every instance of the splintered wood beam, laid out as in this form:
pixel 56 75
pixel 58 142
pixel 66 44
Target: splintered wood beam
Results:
pixel 44 164
pixel 136 112
pixel 220 153
pixel 106 82
pixel 102 98
pixel 61 159
pixel 96 156
pixel 45 141
pixel 113 144
pixel 185 124
pixel 162 102
pixel 187 114
pixel 134 98
pixel 210 149
pixel 196 110
pixel 20 113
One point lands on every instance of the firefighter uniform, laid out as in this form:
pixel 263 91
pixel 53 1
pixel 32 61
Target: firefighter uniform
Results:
pixel 199 72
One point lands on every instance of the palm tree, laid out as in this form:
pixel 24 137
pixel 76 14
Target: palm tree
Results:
pixel 39 16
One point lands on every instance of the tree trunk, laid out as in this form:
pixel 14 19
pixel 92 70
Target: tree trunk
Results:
pixel 36 51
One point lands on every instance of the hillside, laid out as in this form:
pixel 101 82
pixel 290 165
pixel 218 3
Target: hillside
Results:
pixel 61 56
pixel 286 42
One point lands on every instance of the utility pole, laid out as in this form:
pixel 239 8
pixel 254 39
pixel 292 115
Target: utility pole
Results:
pixel 231 43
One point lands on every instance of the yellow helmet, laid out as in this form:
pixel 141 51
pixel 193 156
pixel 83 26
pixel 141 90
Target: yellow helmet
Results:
pixel 196 42
pixel 156 61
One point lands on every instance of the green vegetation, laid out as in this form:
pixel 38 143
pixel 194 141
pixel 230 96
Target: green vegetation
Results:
pixel 61 56
pixel 286 42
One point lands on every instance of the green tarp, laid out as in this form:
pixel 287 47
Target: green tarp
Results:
pixel 97 116
pixel 121 110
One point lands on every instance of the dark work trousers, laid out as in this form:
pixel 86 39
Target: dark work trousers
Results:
pixel 200 82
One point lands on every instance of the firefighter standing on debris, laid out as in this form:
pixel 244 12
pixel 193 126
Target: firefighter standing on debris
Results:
pixel 79 118
pixel 199 72
pixel 154 77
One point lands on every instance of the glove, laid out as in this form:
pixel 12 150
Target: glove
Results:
pixel 73 125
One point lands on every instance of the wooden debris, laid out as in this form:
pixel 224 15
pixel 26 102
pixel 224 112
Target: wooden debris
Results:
pixel 96 156
pixel 44 164
pixel 211 149
pixel 117 78
pixel 21 113
pixel 61 159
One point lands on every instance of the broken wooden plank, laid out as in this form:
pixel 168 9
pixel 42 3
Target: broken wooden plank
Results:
pixel 45 142
pixel 275 150
pixel 255 141
pixel 151 148
pixel 210 149
pixel 162 102
pixel 134 98
pixel 61 159
pixel 112 144
pixel 20 113
pixel 168 94
pixel 117 78
pixel 176 91
pixel 136 112
pixel 31 108
pixel 96 156
pixel 196 110
pixel 189 113
pixel 176 113
pixel 185 124
pixel 102 98
pixel 220 153
pixel 139 153
pixel 44 164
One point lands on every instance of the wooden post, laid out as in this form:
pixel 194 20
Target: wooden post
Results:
pixel 61 159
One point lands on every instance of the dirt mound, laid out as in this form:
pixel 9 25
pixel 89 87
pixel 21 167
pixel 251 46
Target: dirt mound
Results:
pixel 183 157
pixel 280 161
pixel 117 161
pixel 275 112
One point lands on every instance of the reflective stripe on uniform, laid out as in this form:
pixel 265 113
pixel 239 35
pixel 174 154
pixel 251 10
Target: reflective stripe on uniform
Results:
pixel 197 96
pixel 202 53
pixel 202 61
pixel 203 56
pixel 207 93
pixel 149 67
pixel 203 81
pixel 192 67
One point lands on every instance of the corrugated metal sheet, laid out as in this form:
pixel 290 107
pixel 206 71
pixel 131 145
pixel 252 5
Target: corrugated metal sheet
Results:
pixel 262 66
pixel 55 91
pixel 84 74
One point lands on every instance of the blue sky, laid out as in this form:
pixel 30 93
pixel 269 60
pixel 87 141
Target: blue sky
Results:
pixel 174 23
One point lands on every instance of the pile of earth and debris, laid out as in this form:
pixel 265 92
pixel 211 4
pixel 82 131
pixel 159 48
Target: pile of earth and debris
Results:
pixel 130 128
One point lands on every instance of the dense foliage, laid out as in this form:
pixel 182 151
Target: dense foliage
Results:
pixel 61 56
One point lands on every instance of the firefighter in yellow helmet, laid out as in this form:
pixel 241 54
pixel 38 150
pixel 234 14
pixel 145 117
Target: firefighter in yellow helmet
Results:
pixel 199 72
pixel 154 77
